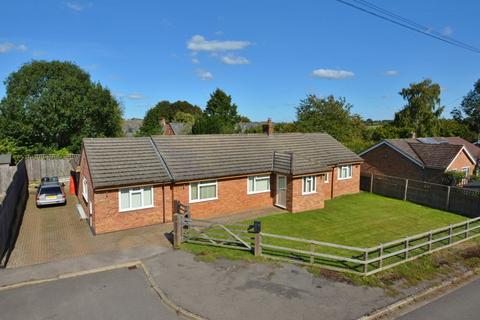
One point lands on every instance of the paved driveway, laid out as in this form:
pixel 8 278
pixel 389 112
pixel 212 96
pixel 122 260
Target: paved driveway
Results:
pixel 119 294
pixel 57 233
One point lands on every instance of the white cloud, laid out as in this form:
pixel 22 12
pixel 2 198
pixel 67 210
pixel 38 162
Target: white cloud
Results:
pixel 199 43
pixel 332 74
pixel 447 31
pixel 391 73
pixel 76 6
pixel 232 59
pixel 135 96
pixel 204 75
pixel 195 60
pixel 9 46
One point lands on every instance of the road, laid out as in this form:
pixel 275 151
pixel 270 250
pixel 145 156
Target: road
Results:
pixel 119 294
pixel 461 304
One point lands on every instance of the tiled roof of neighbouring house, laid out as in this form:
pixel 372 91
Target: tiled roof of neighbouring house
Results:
pixel 434 152
pixel 123 161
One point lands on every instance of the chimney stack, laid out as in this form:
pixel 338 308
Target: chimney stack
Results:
pixel 268 127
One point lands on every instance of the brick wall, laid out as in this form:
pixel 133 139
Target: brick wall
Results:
pixel 387 161
pixel 108 218
pixel 84 172
pixel 346 186
pixel 232 198
pixel 303 202
pixel 461 162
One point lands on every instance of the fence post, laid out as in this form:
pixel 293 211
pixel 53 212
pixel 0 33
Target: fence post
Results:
pixel 407 244
pixel 177 230
pixel 371 182
pixel 312 249
pixel 447 206
pixel 406 189
pixel 450 234
pixel 380 262
pixel 258 244
pixel 430 238
pixel 365 265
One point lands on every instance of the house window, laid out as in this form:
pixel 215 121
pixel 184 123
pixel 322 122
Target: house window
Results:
pixel 309 185
pixel 203 191
pixel 136 198
pixel 345 172
pixel 466 171
pixel 325 177
pixel 85 189
pixel 258 184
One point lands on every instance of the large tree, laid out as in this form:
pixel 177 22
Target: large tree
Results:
pixel 220 115
pixel 54 105
pixel 422 112
pixel 168 111
pixel 333 116
pixel 469 111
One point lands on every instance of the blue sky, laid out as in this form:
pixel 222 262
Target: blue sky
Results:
pixel 267 54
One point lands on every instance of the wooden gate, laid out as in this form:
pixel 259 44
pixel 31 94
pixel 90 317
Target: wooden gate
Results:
pixel 212 233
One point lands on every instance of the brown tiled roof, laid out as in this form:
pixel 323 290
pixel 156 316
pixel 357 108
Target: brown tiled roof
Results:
pixel 434 152
pixel 161 159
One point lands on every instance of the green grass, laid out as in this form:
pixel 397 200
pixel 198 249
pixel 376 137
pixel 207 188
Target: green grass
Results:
pixel 360 220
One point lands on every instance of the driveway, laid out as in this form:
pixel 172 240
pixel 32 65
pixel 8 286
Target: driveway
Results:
pixel 56 233
pixel 121 294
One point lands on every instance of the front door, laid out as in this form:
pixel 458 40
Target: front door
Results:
pixel 281 191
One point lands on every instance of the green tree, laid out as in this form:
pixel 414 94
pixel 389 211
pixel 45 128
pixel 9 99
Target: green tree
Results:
pixel 333 116
pixel 220 115
pixel 422 112
pixel 469 110
pixel 165 110
pixel 184 117
pixel 454 128
pixel 54 105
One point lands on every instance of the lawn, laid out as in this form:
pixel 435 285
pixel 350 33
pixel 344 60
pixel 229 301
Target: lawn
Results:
pixel 359 220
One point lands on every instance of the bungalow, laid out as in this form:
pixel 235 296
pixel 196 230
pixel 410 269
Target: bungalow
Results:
pixel 133 182
pixel 424 159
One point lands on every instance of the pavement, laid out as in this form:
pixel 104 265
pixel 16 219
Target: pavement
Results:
pixel 56 233
pixel 227 290
pixel 461 304
pixel 122 294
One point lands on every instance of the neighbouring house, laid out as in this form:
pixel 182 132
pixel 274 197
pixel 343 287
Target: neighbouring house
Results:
pixel 6 160
pixel 175 128
pixel 425 159
pixel 131 126
pixel 133 182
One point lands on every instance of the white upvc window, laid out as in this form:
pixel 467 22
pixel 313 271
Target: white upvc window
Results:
pixel 135 198
pixel 203 191
pixel 325 177
pixel 309 184
pixel 258 184
pixel 85 189
pixel 345 172
pixel 466 171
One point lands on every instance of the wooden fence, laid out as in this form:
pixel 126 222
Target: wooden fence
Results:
pixel 357 260
pixel 11 211
pixel 453 199
pixel 6 176
pixel 42 165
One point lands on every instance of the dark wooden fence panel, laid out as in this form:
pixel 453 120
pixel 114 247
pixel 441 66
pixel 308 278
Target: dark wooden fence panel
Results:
pixel 453 199
pixel 42 165
pixel 11 211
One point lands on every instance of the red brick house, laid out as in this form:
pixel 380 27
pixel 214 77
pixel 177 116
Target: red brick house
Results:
pixel 424 159
pixel 133 182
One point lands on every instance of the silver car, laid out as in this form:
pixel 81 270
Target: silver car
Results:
pixel 50 192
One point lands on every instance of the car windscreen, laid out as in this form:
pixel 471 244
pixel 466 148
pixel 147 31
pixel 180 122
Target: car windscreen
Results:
pixel 50 190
